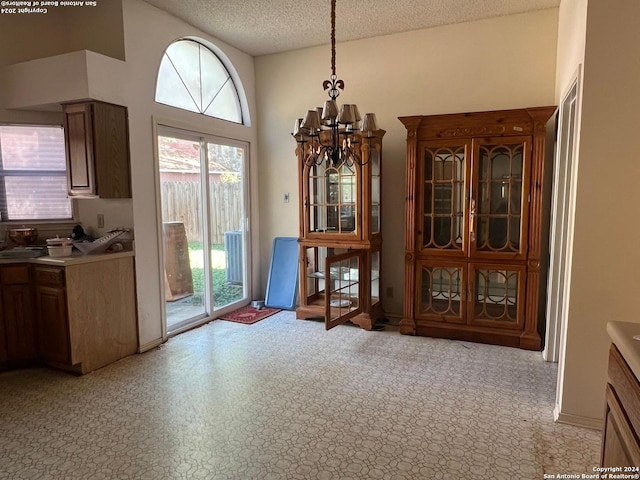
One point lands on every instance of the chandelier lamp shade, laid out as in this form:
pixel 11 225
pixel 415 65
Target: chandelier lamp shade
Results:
pixel 329 134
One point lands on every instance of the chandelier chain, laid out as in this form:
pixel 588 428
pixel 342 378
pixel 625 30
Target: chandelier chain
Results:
pixel 333 37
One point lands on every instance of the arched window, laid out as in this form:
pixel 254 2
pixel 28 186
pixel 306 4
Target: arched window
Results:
pixel 193 78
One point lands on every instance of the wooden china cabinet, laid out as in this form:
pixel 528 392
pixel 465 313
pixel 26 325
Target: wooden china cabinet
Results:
pixel 340 236
pixel 474 226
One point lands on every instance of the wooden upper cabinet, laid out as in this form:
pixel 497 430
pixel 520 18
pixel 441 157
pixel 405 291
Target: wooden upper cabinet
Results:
pixel 97 147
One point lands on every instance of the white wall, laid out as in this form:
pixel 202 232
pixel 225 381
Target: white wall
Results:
pixel 605 262
pixel 572 25
pixel 148 31
pixel 500 63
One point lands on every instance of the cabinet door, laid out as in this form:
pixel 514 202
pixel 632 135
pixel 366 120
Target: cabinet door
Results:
pixel 19 322
pixel 442 172
pixel 343 299
pixel 78 131
pixel 111 150
pixel 440 291
pixel 499 204
pixel 53 339
pixel 496 295
pixel 3 342
pixel 332 201
pixel 619 445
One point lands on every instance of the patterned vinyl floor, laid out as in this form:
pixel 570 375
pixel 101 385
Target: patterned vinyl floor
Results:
pixel 283 399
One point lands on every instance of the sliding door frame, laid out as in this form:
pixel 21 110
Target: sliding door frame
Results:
pixel 164 127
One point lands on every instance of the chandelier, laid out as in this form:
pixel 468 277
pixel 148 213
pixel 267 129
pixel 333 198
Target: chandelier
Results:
pixel 328 135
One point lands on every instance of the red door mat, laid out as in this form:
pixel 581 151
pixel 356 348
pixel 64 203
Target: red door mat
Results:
pixel 249 315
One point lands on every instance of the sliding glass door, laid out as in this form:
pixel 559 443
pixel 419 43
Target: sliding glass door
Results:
pixel 205 242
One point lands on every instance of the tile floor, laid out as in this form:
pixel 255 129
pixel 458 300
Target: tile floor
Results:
pixel 283 399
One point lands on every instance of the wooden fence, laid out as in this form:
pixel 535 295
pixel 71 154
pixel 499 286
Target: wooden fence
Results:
pixel 181 203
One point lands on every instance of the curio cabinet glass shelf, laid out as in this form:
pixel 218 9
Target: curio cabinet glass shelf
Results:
pixel 340 236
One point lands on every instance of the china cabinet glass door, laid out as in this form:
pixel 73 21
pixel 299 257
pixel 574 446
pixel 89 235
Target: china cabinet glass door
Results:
pixel 342 281
pixel 498 295
pixel 473 208
pixel 441 295
pixel 443 169
pixel 498 208
pixel 332 192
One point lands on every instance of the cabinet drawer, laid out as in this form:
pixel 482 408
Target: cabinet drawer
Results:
pixel 625 386
pixel 50 276
pixel 14 274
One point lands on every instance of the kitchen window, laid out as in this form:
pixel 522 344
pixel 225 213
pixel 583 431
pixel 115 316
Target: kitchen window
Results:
pixel 33 176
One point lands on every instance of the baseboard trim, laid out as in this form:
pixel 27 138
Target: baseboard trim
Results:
pixel 150 345
pixel 577 420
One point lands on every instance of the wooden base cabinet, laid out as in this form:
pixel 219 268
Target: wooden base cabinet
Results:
pixel 86 314
pixel 53 324
pixel 474 203
pixel 620 445
pixel 17 322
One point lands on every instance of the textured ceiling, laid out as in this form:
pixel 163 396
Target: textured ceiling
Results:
pixel 260 27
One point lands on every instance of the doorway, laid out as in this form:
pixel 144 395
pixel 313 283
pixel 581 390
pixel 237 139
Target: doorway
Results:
pixel 203 197
pixel 562 208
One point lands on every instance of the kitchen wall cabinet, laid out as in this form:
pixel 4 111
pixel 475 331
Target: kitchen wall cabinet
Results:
pixel 97 149
pixel 86 313
pixel 474 226
pixel 620 447
pixel 17 316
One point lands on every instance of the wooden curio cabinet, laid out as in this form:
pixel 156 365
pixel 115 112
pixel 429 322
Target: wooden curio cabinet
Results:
pixel 474 195
pixel 340 237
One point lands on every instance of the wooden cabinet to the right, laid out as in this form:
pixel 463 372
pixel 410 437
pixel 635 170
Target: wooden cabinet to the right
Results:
pixel 620 447
pixel 476 198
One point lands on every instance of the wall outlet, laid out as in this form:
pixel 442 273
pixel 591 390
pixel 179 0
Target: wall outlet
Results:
pixel 101 220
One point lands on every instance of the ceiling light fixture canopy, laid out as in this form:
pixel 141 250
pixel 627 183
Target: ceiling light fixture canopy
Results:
pixel 328 134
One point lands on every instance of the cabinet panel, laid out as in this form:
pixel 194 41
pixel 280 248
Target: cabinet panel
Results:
pixel 500 198
pixel 111 151
pixel 3 342
pixel 497 295
pixel 440 294
pixel 619 444
pixel 49 276
pixel 97 147
pixel 342 277
pixel 443 172
pixel 18 317
pixel 53 341
pixel 79 145
pixel 14 274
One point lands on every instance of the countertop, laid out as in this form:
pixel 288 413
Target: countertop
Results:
pixel 75 259
pixel 622 334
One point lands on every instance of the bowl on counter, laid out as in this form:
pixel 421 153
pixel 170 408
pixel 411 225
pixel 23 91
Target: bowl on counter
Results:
pixel 59 247
pixel 23 236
